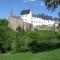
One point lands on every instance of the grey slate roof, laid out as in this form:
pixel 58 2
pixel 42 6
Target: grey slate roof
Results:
pixel 45 17
pixel 25 12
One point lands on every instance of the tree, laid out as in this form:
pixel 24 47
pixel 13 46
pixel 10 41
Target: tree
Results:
pixel 59 18
pixel 4 40
pixel 59 15
pixel 3 22
pixel 52 4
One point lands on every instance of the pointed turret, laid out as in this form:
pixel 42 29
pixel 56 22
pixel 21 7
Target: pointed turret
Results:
pixel 11 13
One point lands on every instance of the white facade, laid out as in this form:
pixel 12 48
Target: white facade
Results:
pixel 41 22
pixel 28 18
pixel 37 21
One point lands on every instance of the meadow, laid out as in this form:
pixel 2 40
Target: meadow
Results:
pixel 50 55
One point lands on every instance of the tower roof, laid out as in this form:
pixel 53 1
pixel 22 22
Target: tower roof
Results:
pixel 25 12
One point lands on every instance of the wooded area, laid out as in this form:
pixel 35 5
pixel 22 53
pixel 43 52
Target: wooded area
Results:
pixel 34 41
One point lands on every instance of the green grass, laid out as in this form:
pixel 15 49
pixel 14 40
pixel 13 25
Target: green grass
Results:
pixel 50 55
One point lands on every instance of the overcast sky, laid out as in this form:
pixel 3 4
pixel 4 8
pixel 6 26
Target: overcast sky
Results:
pixel 36 6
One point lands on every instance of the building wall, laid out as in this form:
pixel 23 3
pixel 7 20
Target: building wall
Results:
pixel 41 22
pixel 37 21
pixel 15 22
pixel 27 17
pixel 49 22
pixel 26 20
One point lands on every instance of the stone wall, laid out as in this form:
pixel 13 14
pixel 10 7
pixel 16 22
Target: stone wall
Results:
pixel 15 22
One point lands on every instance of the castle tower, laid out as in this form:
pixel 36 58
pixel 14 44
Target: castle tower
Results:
pixel 11 14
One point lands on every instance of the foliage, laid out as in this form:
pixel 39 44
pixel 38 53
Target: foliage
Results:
pixel 33 41
pixel 4 42
pixel 40 40
pixel 6 36
pixel 19 29
pixel 52 4
pixel 3 22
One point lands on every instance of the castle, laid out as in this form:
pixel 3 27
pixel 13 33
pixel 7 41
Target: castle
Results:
pixel 28 21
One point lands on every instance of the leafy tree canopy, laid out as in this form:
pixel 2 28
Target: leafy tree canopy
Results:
pixel 52 4
pixel 3 22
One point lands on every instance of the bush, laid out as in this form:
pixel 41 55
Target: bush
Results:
pixel 34 41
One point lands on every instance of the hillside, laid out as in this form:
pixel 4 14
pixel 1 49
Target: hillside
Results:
pixel 33 41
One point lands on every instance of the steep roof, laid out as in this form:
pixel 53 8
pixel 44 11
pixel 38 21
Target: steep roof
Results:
pixel 25 12
pixel 45 17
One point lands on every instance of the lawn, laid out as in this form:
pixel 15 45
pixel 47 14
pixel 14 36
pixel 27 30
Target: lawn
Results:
pixel 50 55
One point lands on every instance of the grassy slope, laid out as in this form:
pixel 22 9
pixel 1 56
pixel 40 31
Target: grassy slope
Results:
pixel 50 55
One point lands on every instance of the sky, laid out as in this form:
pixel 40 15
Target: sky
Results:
pixel 36 6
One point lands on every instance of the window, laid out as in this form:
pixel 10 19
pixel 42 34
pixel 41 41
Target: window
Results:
pixel 25 20
pixel 48 21
pixel 34 21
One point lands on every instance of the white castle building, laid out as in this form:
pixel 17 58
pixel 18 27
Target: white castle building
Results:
pixel 26 19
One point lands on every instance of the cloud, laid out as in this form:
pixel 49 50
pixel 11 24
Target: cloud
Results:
pixel 42 4
pixel 29 1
